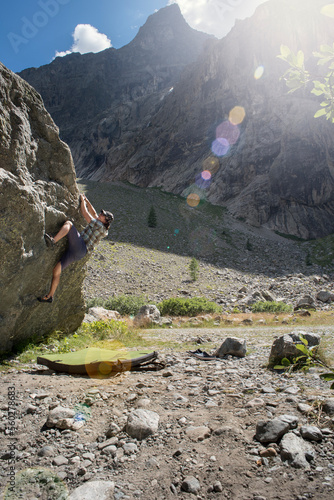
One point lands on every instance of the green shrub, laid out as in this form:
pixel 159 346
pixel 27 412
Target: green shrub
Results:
pixel 187 307
pixel 152 218
pixel 126 305
pixel 193 268
pixel 271 307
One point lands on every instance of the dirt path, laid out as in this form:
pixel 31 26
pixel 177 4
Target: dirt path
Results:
pixel 208 412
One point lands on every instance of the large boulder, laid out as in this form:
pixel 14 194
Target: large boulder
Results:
pixel 233 346
pixel 147 315
pixel 38 193
pixel 285 346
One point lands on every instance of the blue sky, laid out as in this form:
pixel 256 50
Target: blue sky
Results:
pixel 33 32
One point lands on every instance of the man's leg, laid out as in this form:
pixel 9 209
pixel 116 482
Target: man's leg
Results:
pixel 55 280
pixel 64 230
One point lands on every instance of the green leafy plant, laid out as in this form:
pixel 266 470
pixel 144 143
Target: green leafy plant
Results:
pixel 308 358
pixel 297 77
pixel 187 307
pixel 193 268
pixel 271 307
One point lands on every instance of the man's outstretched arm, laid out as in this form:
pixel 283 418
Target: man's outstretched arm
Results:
pixel 87 209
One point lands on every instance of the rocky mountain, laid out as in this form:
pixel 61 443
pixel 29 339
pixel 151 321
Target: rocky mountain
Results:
pixel 38 193
pixel 143 114
pixel 102 101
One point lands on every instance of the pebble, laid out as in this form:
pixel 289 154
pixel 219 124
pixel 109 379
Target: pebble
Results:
pixel 311 433
pixel 191 485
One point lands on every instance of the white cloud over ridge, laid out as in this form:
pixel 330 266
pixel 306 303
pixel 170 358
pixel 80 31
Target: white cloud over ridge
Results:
pixel 86 39
pixel 215 17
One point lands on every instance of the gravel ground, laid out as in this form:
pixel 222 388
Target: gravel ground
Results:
pixel 208 414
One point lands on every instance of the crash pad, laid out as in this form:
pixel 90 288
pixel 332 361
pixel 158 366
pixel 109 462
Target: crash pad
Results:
pixel 95 361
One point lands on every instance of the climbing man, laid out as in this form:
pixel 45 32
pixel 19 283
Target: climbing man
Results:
pixel 79 244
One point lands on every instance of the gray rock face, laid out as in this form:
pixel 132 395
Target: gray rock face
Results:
pixel 125 86
pixel 38 193
pixel 285 346
pixel 278 173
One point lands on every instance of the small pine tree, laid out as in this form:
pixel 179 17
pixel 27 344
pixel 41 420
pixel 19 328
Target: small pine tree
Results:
pixel 249 246
pixel 308 259
pixel 152 218
pixel 193 267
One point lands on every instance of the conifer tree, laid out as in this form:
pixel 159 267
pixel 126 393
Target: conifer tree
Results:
pixel 193 267
pixel 152 218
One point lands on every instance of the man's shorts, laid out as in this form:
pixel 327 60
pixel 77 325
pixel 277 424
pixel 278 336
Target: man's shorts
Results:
pixel 76 248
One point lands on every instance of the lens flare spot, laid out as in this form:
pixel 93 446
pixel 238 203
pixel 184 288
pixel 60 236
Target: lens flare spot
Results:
pixel 211 164
pixel 258 73
pixel 228 131
pixel 328 10
pixel 105 368
pixel 176 231
pixel 203 182
pixel 237 115
pixel 193 200
pixel 206 175
pixel 220 146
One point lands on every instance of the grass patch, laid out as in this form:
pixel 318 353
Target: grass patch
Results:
pixel 126 305
pixel 271 307
pixel 187 307
pixel 322 251
pixel 290 237
pixel 105 334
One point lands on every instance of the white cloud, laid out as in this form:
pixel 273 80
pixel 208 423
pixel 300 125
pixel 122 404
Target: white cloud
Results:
pixel 86 38
pixel 215 17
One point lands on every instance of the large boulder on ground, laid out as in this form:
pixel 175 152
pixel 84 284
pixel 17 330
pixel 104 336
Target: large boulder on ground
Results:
pixel 38 193
pixel 306 302
pixel 147 316
pixel 325 296
pixel 285 346
pixel 233 346
pixel 100 314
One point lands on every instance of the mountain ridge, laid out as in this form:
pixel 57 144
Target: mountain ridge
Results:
pixel 157 127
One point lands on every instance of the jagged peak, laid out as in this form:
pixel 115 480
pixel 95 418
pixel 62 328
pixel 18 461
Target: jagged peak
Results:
pixel 168 18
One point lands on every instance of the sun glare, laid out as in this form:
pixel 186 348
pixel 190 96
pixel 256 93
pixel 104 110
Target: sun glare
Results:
pixel 258 73
pixel 328 10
